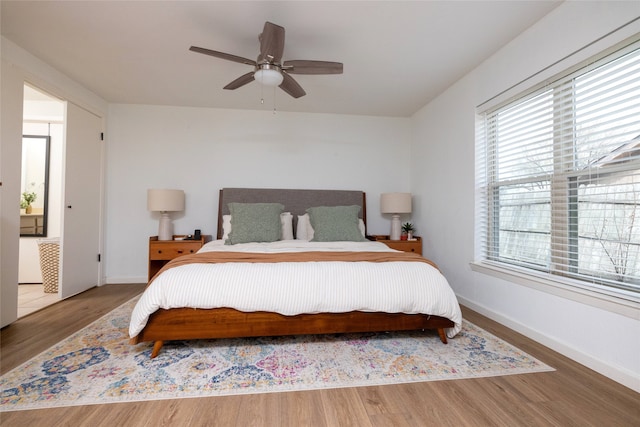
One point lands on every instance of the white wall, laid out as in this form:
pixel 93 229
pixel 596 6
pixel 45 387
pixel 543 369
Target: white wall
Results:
pixel 203 150
pixel 10 160
pixel 442 174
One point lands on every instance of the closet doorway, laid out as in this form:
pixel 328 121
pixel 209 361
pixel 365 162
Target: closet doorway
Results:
pixel 41 179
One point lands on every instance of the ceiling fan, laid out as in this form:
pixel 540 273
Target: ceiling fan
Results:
pixel 269 68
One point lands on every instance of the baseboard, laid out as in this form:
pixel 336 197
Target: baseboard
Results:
pixel 125 280
pixel 618 374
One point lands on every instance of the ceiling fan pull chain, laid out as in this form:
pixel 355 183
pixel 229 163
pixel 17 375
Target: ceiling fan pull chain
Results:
pixel 274 100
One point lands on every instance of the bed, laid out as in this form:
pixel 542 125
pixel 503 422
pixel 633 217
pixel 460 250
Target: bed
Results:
pixel 261 286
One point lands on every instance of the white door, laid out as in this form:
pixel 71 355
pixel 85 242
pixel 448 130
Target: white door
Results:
pixel 80 243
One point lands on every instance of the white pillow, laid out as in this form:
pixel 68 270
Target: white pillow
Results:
pixel 304 230
pixel 285 218
pixel 287 225
pixel 361 226
pixel 226 226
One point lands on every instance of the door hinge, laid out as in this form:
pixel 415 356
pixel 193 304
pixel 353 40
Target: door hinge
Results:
pixel 99 257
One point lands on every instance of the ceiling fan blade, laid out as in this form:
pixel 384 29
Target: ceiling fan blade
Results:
pixel 271 43
pixel 240 81
pixel 312 67
pixel 223 55
pixel 291 86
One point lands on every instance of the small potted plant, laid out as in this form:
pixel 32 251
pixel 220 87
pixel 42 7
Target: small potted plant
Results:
pixel 407 231
pixel 27 199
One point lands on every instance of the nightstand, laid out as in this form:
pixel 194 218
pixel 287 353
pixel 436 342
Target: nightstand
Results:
pixel 163 251
pixel 414 246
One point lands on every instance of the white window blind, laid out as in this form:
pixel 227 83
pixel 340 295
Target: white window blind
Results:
pixel 558 174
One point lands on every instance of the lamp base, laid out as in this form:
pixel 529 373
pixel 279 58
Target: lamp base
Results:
pixel 165 228
pixel 395 227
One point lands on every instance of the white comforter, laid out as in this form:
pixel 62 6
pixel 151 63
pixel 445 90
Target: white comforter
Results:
pixel 292 288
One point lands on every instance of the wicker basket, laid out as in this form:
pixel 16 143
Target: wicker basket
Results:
pixel 49 263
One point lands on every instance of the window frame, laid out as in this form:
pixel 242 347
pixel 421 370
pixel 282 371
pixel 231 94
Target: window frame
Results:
pixel 487 201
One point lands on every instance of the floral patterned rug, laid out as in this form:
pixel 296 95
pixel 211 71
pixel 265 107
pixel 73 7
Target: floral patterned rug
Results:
pixel 98 365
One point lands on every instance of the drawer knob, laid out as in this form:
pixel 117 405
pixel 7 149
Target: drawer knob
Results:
pixel 159 252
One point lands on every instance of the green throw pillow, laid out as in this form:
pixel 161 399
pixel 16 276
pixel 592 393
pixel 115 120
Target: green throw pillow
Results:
pixel 254 222
pixel 335 223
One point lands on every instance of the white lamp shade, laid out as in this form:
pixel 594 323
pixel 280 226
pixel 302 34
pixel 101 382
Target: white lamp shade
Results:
pixel 165 200
pixel 268 77
pixel 395 203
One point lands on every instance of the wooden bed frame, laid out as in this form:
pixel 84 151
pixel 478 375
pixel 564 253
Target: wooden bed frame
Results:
pixel 190 323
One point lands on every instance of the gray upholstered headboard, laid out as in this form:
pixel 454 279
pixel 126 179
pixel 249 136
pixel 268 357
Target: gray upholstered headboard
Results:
pixel 294 201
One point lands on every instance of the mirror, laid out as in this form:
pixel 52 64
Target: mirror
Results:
pixel 34 193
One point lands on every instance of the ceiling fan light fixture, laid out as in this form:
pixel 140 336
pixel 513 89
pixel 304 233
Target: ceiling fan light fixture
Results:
pixel 268 77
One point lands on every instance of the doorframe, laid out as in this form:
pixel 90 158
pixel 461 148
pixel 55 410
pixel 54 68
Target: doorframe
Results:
pixel 54 208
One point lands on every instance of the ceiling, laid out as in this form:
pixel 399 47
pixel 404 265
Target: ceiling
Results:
pixel 397 55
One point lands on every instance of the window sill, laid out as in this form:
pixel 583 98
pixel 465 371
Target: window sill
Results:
pixel 623 303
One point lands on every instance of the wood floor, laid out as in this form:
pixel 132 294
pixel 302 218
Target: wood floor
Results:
pixel 571 396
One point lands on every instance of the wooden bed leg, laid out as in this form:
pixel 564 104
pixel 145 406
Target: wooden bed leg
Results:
pixel 443 336
pixel 156 348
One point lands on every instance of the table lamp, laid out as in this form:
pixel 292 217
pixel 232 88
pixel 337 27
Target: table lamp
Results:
pixel 165 201
pixel 395 204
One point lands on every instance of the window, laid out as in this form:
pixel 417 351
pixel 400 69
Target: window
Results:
pixel 558 175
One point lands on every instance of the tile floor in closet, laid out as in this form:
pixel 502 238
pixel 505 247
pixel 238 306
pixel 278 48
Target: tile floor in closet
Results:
pixel 32 297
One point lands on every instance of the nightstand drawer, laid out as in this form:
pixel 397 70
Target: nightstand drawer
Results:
pixel 414 246
pixel 170 251
pixel 405 245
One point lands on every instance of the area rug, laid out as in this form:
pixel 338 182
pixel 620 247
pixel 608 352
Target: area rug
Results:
pixel 97 365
